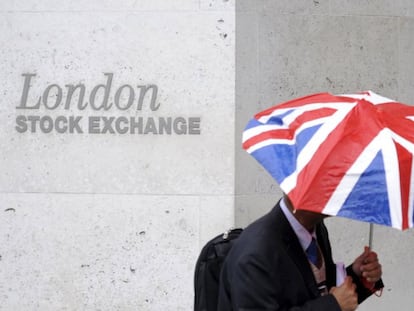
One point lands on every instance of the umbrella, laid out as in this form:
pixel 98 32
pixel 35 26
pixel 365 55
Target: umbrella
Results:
pixel 340 155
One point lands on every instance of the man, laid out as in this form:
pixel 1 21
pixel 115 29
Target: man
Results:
pixel 268 267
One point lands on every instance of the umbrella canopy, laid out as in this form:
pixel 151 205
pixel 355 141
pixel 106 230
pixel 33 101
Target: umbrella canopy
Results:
pixel 347 155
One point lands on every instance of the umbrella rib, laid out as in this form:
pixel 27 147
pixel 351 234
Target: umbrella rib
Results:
pixel 392 177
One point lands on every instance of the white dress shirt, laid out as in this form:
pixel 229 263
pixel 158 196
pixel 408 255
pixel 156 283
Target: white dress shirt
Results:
pixel 305 238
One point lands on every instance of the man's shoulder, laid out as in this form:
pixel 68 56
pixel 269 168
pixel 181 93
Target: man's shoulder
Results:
pixel 259 238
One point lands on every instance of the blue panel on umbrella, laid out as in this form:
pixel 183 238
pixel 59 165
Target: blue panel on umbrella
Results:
pixel 278 119
pixel 305 136
pixel 280 159
pixel 252 123
pixel 370 192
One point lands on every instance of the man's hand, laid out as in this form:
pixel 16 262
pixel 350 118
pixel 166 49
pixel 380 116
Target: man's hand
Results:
pixel 368 266
pixel 345 295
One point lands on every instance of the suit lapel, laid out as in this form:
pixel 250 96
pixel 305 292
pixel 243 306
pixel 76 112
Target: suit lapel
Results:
pixel 323 240
pixel 295 251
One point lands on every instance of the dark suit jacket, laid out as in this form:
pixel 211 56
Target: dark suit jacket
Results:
pixel 267 269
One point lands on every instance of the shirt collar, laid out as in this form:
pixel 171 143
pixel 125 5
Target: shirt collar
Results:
pixel 305 238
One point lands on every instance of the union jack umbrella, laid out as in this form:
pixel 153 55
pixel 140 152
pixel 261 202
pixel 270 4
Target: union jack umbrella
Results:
pixel 347 155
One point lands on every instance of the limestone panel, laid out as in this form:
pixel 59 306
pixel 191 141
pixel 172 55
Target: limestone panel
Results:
pixel 251 207
pixel 187 56
pixel 406 61
pixel 370 8
pixel 102 252
pixel 101 5
pixel 246 90
pixel 222 5
pixel 310 54
pixel 216 216
pixel 247 5
pixel 294 7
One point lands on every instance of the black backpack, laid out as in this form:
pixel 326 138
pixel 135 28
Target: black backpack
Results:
pixel 208 267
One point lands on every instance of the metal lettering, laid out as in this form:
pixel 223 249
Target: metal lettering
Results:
pixel 180 126
pixel 33 120
pixel 194 126
pixel 94 125
pixel 58 95
pixel 123 129
pixel 143 91
pixel 74 124
pixel 131 97
pixel 25 93
pixel 21 125
pixel 72 97
pixel 165 126
pixel 107 88
pixel 150 127
pixel 46 124
pixel 108 125
pixel 61 124
pixel 71 90
pixel 135 124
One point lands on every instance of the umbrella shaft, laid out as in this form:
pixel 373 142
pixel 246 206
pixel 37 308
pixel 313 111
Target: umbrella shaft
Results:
pixel 371 234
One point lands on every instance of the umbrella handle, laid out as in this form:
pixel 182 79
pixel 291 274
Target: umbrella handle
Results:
pixel 371 234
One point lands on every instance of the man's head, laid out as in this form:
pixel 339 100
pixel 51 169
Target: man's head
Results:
pixel 308 219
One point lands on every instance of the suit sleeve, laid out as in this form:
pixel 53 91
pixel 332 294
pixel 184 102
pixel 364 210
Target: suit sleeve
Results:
pixel 253 288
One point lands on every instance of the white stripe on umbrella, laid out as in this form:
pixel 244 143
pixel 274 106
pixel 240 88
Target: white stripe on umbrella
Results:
pixel 263 129
pixel 392 177
pixel 352 176
pixel 288 119
pixel 260 129
pixel 312 146
pixel 379 143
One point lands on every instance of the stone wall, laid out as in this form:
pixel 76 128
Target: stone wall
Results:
pixel 120 137
pixel 117 150
pixel 288 49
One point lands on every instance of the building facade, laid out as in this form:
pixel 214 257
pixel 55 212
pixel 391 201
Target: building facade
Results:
pixel 121 128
